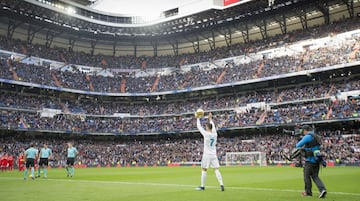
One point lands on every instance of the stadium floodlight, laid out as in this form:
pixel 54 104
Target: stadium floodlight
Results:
pixel 70 10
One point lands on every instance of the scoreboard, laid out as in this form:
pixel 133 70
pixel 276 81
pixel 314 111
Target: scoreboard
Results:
pixel 229 2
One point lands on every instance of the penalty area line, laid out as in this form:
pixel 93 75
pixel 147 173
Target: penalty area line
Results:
pixel 175 185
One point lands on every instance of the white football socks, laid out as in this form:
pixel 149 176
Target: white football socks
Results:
pixel 203 178
pixel 219 177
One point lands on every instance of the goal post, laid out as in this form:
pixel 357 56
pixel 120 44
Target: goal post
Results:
pixel 245 158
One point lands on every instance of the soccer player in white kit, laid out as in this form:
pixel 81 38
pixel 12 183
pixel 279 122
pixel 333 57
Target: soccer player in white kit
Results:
pixel 209 158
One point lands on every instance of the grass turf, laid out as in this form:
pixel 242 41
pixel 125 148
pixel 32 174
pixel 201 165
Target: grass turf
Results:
pixel 178 184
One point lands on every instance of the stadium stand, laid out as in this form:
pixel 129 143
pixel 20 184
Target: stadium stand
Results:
pixel 254 89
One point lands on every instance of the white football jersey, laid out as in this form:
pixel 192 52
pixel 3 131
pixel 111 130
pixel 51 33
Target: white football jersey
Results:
pixel 210 138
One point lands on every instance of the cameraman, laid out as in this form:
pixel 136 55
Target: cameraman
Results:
pixel 311 143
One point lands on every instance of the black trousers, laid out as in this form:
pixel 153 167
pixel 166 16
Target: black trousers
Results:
pixel 311 173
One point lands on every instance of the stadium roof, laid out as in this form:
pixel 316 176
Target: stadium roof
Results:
pixel 136 7
pixel 55 18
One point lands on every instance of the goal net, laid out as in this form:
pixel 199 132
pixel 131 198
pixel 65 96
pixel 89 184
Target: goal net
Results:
pixel 245 158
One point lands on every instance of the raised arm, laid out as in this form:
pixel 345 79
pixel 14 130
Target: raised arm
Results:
pixel 199 126
pixel 211 122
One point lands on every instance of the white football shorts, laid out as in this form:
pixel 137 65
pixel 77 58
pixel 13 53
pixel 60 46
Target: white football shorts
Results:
pixel 210 161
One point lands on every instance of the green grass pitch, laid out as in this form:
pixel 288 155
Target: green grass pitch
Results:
pixel 178 184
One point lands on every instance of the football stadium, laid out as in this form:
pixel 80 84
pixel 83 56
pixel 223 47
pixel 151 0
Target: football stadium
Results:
pixel 170 100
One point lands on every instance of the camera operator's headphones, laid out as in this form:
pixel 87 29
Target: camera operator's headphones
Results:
pixel 306 128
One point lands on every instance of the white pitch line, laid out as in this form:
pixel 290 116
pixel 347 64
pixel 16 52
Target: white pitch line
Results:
pixel 176 185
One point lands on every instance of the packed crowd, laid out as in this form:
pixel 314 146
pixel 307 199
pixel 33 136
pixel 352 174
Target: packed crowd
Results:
pixel 96 116
pixel 311 59
pixel 330 55
pixel 338 146
pixel 98 106
pixel 88 59
pixel 21 111
pixel 307 111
